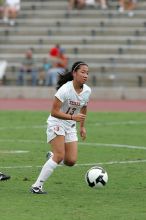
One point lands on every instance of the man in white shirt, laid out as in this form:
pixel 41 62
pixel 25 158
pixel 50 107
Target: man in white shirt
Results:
pixel 12 8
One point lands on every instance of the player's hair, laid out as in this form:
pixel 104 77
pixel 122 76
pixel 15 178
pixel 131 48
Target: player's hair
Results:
pixel 68 75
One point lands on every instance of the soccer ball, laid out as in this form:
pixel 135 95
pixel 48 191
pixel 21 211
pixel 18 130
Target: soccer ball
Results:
pixel 96 177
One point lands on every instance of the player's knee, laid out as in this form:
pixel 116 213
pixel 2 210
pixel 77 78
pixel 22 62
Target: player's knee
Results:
pixel 58 157
pixel 70 162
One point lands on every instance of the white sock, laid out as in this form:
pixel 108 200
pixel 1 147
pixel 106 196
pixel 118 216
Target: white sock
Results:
pixel 46 171
pixel 62 162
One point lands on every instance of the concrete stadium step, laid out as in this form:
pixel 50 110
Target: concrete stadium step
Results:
pixel 44 5
pixel 123 22
pixel 96 14
pixel 90 30
pixel 98 69
pixel 99 80
pixel 65 40
pixel 102 24
pixel 77 49
pixel 83 56
pixel 129 31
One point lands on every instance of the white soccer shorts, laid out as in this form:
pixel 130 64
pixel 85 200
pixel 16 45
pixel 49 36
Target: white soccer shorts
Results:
pixel 53 131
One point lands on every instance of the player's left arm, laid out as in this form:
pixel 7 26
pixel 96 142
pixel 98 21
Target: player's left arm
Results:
pixel 82 123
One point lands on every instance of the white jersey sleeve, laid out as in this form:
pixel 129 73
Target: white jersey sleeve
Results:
pixel 61 94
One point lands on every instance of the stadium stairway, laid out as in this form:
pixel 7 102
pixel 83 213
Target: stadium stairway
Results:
pixel 113 44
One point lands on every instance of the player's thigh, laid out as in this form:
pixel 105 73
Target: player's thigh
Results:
pixel 58 145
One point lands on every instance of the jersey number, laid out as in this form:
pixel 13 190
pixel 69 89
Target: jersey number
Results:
pixel 70 111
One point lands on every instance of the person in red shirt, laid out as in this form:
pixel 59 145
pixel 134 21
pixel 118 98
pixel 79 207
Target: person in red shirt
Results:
pixel 54 51
pixel 62 59
pixel 59 64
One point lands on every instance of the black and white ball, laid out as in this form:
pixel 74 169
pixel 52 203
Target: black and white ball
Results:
pixel 96 177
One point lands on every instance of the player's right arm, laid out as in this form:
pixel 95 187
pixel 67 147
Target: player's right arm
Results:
pixel 57 113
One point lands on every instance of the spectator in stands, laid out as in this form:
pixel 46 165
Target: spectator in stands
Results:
pixel 79 4
pixel 54 51
pixel 62 59
pixel 11 11
pixel 128 5
pixel 28 67
pixel 90 3
pixel 44 71
pixel 103 4
pixel 52 74
pixel 76 4
pixel 58 66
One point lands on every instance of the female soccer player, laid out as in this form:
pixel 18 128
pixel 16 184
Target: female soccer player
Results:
pixel 69 107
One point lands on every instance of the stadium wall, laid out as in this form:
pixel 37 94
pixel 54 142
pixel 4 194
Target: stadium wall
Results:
pixel 98 93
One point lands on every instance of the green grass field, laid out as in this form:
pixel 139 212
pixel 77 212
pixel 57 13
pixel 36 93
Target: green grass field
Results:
pixel 116 141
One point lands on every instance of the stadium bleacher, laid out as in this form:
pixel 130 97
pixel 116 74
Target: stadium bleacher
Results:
pixel 113 44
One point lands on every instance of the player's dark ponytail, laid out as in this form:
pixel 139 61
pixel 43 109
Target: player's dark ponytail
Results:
pixel 68 75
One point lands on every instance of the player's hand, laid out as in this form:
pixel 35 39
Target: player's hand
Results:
pixel 83 133
pixel 79 117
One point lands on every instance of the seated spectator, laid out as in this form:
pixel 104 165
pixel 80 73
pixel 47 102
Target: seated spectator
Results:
pixel 43 71
pixel 58 66
pixel 90 2
pixel 62 59
pixel 103 4
pixel 127 5
pixel 52 74
pixel 11 11
pixel 76 4
pixel 54 51
pixel 46 64
pixel 41 77
pixel 79 4
pixel 57 54
pixel 28 67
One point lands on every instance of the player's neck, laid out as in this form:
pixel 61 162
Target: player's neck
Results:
pixel 77 87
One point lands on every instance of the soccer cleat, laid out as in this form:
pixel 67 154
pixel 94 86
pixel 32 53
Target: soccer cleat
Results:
pixel 4 177
pixel 37 190
pixel 49 155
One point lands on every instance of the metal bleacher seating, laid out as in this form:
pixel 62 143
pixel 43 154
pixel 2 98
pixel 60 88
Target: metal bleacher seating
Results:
pixel 113 44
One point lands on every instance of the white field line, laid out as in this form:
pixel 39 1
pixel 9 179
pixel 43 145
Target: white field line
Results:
pixel 97 124
pixel 22 141
pixel 120 123
pixel 80 143
pixel 24 127
pixel 113 145
pixel 13 151
pixel 78 165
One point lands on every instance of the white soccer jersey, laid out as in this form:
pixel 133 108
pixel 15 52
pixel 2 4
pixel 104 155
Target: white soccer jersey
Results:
pixel 72 102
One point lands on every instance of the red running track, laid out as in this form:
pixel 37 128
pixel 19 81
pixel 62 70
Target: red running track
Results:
pixel 94 105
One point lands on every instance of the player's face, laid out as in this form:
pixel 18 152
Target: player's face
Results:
pixel 81 75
